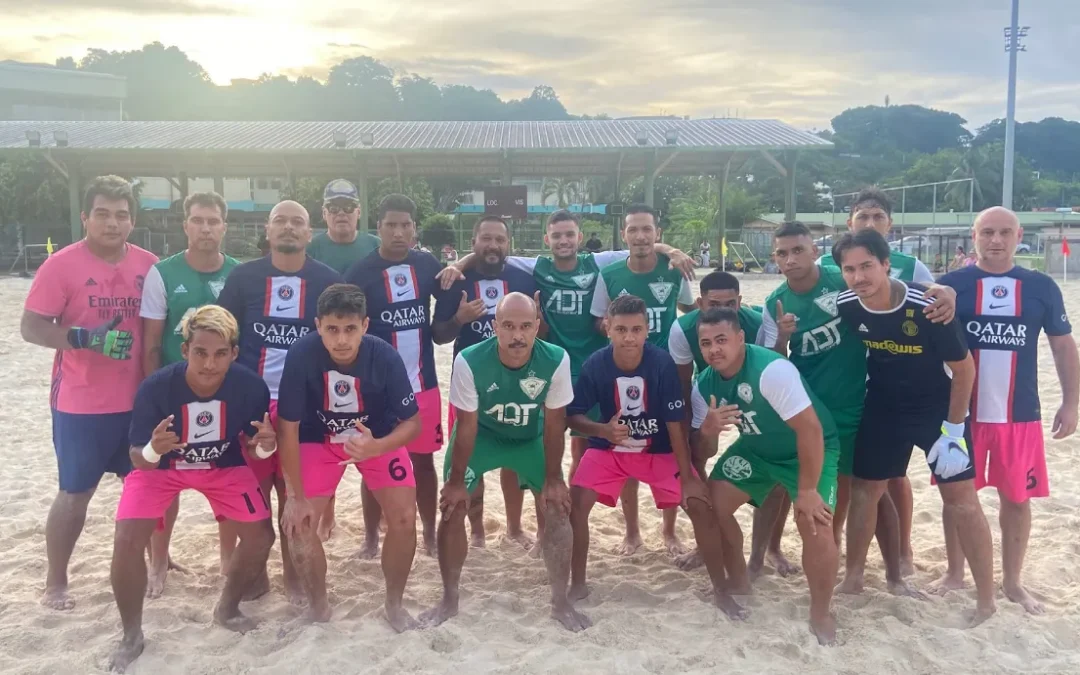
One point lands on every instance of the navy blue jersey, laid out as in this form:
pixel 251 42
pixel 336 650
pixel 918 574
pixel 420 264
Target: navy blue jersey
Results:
pixel 646 398
pixel 399 308
pixel 274 309
pixel 492 290
pixel 1001 315
pixel 328 399
pixel 210 427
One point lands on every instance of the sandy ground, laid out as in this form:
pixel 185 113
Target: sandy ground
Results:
pixel 649 616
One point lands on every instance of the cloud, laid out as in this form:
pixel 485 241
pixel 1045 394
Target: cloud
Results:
pixel 142 7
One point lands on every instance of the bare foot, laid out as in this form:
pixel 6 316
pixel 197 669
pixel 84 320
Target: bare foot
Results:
pixel 478 538
pixel 537 550
pixel 577 592
pixel 905 590
pixel 447 609
pixel 369 550
pixel 326 528
pixel 258 588
pixel 852 584
pixel 127 651
pixel 571 619
pixel 739 586
pixel 320 613
pixel 294 591
pixel 907 566
pixel 523 538
pixel 729 607
pixel 673 545
pixel 755 567
pixel 234 621
pixel 782 565
pixel 155 578
pixel 689 561
pixel 948 582
pixel 400 620
pixel 430 547
pixel 176 567
pixel 824 629
pixel 981 614
pixel 58 598
pixel 630 545
pixel 1020 596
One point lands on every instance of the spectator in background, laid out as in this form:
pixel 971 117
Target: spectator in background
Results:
pixel 705 250
pixel 594 245
pixel 449 254
pixel 958 259
pixel 771 267
pixel 971 258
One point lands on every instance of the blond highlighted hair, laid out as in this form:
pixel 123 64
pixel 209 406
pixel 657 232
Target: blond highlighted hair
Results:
pixel 214 319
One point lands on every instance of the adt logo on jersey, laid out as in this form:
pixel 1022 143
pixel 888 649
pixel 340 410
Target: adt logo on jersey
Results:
pixel 999 292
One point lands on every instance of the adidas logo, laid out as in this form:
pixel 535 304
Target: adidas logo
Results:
pixel 863 328
pixel 494 387
pixel 91 282
pixel 550 279
pixel 180 289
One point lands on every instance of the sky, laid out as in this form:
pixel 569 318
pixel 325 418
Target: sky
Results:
pixel 801 61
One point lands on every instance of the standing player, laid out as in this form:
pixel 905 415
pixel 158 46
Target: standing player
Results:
pixel 174 289
pixel 345 398
pixel 651 277
pixel 511 392
pixel 84 303
pixel 398 282
pixel 636 386
pixel 274 300
pixel 341 245
pixel 465 315
pixel 190 422
pixel 1003 307
pixel 917 394
pixel 872 209
pixel 786 438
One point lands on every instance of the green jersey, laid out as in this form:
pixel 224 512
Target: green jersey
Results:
pixel 662 289
pixel 341 256
pixel 901 266
pixel 508 402
pixel 823 348
pixel 769 391
pixel 172 290
pixel 566 298
pixel 683 339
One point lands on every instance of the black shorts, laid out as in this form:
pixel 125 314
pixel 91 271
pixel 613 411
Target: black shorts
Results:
pixel 886 438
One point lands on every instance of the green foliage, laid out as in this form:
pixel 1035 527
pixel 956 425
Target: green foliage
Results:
pixel 308 192
pixel 438 231
pixel 31 192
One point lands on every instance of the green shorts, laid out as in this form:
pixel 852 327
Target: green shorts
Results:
pixel 523 457
pixel 755 475
pixel 846 460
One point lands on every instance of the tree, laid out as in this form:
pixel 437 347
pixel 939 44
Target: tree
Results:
pixel 363 88
pixel 1052 145
pixel 163 83
pixel 542 104
pixel 438 231
pixel 565 190
pixel 31 192
pixel 900 128
pixel 420 98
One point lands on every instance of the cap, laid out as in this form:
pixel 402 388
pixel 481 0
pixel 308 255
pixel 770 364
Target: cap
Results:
pixel 339 188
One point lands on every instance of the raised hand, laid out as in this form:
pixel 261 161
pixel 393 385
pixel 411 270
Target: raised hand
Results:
pixel 468 312
pixel 616 431
pixel 265 441
pixel 720 418
pixel 785 323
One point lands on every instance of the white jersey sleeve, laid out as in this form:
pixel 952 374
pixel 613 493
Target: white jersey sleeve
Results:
pixel 759 337
pixel 782 387
pixel 527 264
pixel 605 258
pixel 922 273
pixel 686 293
pixel 678 345
pixel 698 406
pixel 463 387
pixel 768 333
pixel 600 299
pixel 561 392
pixel 154 304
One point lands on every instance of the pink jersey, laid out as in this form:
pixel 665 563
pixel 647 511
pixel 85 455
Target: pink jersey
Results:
pixel 80 289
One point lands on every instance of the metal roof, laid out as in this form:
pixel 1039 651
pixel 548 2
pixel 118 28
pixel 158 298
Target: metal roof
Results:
pixel 476 149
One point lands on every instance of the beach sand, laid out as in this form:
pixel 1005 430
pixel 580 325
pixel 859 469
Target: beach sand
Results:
pixel 649 617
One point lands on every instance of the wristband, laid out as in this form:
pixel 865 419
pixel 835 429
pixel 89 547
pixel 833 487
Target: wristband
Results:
pixel 953 430
pixel 149 454
pixel 77 337
pixel 263 454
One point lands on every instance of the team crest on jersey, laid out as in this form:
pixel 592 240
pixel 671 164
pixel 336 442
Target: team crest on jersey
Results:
pixel 737 468
pixel 204 418
pixel 895 272
pixel 909 328
pixel 661 290
pixel 623 292
pixel 909 313
pixel 745 392
pixel 285 292
pixel 633 393
pixel 341 388
pixel 827 303
pixel 400 280
pixel 584 280
pixel 532 385
pixel 491 292
pixel 215 286
pixel 999 292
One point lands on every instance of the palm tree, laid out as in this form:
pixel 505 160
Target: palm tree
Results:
pixel 565 190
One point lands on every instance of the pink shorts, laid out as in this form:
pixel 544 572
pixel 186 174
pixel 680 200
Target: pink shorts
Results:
pixel 1012 458
pixel 233 493
pixel 265 469
pixel 605 472
pixel 430 439
pixel 322 469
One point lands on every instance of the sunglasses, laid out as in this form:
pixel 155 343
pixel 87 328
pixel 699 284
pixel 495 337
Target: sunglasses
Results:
pixel 335 210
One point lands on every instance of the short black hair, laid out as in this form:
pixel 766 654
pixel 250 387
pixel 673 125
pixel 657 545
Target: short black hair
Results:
pixel 342 300
pixel 868 238
pixel 872 195
pixel 110 187
pixel 562 215
pixel 208 200
pixel 792 228
pixel 641 208
pixel 490 219
pixel 398 203
pixel 717 315
pixel 719 281
pixel 627 304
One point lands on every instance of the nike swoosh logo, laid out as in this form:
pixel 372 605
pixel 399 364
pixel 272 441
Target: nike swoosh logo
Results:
pixel 632 408
pixel 992 306
pixel 282 309
pixel 205 433
pixel 401 293
pixel 340 405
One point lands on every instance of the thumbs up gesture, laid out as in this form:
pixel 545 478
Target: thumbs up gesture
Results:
pixel 616 431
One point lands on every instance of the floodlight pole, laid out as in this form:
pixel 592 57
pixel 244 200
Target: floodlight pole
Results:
pixel 1012 35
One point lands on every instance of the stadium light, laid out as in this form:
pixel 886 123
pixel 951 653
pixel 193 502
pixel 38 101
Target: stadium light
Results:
pixel 339 139
pixel 642 137
pixel 61 138
pixel 33 138
pixel 671 136
pixel 367 139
